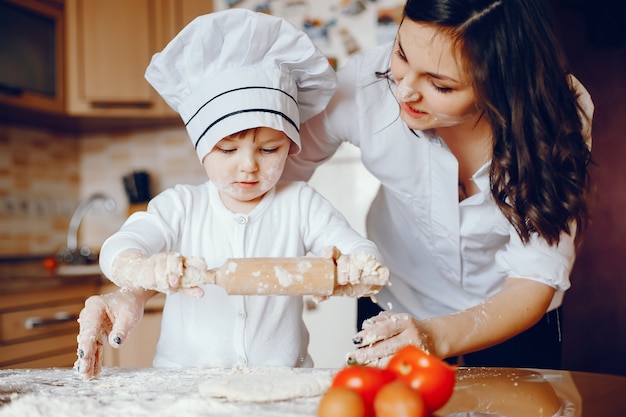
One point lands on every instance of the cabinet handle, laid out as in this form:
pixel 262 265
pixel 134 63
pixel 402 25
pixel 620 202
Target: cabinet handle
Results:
pixel 121 104
pixel 38 322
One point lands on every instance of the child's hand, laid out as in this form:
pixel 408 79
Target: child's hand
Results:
pixel 110 316
pixel 358 275
pixel 165 272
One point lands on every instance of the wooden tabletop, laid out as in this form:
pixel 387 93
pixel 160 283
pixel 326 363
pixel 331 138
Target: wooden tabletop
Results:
pixel 505 392
pixel 602 395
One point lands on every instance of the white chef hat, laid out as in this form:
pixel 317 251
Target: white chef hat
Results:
pixel 237 69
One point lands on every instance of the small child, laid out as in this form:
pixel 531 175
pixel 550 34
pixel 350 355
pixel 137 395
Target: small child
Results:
pixel 242 82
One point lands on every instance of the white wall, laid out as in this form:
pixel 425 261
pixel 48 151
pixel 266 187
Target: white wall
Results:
pixel 350 188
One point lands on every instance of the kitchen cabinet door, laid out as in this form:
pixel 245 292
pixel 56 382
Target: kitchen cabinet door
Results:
pixel 105 47
pixel 190 9
pixel 38 325
pixel 174 15
pixel 110 43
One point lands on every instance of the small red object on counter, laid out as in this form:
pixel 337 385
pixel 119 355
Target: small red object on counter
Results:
pixel 50 263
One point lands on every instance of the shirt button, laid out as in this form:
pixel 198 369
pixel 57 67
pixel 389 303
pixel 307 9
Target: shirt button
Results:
pixel 243 360
pixel 242 219
pixel 241 315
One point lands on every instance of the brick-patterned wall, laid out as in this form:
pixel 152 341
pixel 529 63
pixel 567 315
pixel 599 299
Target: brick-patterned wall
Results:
pixel 44 175
pixel 166 154
pixel 39 183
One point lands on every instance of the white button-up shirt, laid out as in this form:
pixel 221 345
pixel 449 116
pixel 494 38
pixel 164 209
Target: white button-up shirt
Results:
pixel 444 256
pixel 224 330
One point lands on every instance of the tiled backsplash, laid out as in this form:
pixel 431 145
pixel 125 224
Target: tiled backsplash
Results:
pixel 44 175
pixel 166 154
pixel 39 185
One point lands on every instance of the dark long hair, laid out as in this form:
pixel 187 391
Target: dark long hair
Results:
pixel 539 171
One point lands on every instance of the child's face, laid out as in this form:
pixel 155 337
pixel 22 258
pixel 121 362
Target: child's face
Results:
pixel 246 165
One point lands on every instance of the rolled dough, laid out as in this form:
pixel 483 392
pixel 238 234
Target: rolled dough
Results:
pixel 265 384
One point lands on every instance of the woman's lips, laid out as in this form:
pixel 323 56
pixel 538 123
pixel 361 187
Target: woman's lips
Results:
pixel 412 112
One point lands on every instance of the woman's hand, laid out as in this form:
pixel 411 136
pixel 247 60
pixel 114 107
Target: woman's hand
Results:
pixel 165 272
pixel 518 305
pixel 109 316
pixel 383 335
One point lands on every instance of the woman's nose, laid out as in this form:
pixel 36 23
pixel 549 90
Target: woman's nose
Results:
pixel 406 92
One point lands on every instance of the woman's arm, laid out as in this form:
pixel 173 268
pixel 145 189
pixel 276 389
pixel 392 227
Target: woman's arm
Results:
pixel 519 305
pixel 516 307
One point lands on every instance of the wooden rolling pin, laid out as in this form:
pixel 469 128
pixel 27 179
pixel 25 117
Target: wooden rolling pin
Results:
pixel 270 276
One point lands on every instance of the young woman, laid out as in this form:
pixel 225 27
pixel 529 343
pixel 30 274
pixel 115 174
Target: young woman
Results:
pixel 480 139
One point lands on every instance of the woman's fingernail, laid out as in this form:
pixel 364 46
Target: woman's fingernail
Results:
pixel 117 340
pixel 81 353
pixel 357 340
pixel 350 360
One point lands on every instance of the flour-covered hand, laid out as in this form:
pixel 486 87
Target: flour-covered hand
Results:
pixel 105 317
pixel 383 335
pixel 358 275
pixel 166 272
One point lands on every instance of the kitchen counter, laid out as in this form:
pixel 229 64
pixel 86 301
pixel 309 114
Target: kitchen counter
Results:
pixel 30 275
pixel 142 392
pixel 175 392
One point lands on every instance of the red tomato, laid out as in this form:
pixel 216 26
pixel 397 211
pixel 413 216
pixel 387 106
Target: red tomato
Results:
pixel 365 380
pixel 397 399
pixel 430 376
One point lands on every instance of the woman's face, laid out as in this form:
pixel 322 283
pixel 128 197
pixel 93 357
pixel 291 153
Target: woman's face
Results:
pixel 434 90
pixel 246 166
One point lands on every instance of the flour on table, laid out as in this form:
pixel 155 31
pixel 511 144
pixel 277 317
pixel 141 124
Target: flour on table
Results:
pixel 265 384
pixel 145 392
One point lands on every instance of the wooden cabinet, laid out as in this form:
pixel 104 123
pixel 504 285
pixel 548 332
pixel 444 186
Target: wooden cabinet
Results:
pixel 109 44
pixel 38 328
pixel 104 49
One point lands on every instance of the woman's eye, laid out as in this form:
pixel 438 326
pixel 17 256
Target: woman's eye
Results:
pixel 400 54
pixel 441 89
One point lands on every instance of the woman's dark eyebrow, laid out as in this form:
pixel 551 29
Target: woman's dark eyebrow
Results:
pixel 400 43
pixel 430 74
